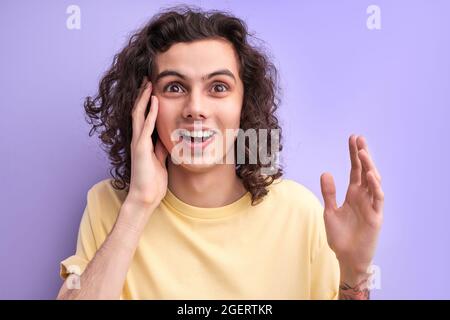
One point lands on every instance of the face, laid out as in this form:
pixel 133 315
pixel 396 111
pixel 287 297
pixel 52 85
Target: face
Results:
pixel 199 91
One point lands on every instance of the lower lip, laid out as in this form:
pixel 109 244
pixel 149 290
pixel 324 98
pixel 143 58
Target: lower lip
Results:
pixel 198 145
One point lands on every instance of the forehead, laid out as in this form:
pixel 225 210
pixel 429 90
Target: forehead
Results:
pixel 199 57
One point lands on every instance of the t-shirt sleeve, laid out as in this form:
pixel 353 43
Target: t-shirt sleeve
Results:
pixel 325 272
pixel 86 244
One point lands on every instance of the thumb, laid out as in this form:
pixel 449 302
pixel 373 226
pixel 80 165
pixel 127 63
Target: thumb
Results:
pixel 161 152
pixel 328 191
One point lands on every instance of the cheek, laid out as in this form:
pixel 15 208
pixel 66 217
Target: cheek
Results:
pixel 230 116
pixel 164 123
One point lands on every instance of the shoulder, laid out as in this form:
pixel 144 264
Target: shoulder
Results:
pixel 104 190
pixel 294 193
pixel 104 202
pixel 294 201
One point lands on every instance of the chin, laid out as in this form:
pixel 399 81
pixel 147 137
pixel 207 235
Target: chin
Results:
pixel 199 165
pixel 199 168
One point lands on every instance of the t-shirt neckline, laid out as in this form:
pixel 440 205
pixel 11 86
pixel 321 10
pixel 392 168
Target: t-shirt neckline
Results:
pixel 207 213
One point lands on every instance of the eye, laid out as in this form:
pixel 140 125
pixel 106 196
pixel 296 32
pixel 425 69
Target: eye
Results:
pixel 222 87
pixel 173 85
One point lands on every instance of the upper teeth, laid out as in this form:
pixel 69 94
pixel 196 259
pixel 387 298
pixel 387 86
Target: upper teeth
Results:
pixel 198 133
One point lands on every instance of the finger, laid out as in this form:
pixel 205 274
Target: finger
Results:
pixel 376 191
pixel 364 170
pixel 355 171
pixel 161 152
pixel 368 165
pixel 138 113
pixel 149 125
pixel 362 144
pixel 328 191
pixel 143 85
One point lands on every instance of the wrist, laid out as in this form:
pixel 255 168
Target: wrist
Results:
pixel 133 200
pixel 354 283
pixel 134 215
pixel 358 278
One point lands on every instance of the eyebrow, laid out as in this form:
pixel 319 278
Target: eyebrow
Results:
pixel 167 73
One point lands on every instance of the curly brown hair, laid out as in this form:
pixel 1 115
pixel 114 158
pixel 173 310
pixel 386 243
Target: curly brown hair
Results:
pixel 109 111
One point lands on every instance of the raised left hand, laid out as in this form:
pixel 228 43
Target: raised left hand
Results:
pixel 353 229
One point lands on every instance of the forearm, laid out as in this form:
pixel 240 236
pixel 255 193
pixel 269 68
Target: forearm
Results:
pixel 354 285
pixel 105 274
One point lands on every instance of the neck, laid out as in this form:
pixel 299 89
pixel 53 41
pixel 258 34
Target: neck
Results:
pixel 216 187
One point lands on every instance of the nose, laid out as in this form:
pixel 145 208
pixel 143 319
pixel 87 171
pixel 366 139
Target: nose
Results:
pixel 195 107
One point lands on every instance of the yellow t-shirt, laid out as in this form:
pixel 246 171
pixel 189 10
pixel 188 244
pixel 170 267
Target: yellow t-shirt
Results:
pixel 275 250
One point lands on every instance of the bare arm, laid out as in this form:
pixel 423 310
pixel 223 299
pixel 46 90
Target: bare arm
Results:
pixel 354 286
pixel 357 292
pixel 105 274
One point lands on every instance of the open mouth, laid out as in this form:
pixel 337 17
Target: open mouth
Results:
pixel 197 140
pixel 200 138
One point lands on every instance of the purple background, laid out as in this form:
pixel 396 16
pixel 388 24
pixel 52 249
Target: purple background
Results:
pixel 338 77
